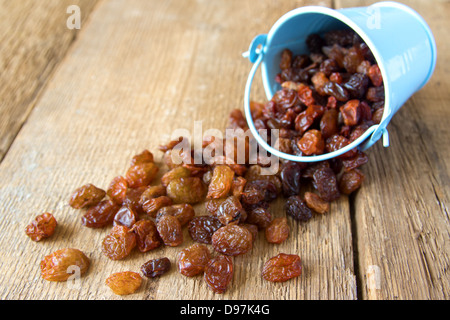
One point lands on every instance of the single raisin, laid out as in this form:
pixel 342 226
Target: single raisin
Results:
pixel 141 174
pixel 219 273
pixel 143 157
pixel 232 240
pixel 124 283
pixel 230 211
pixel 86 196
pixel 147 236
pixel 277 231
pixel 126 216
pixel 351 112
pixel 43 226
pixel 169 229
pixel 177 172
pixel 100 215
pixel 156 267
pixel 259 216
pixel 202 228
pixel 312 143
pixel 61 264
pixel 350 181
pixel 221 182
pixel 282 267
pixel 297 209
pixel 315 203
pixel 117 190
pixel 187 190
pixel 325 182
pixel 118 243
pixel 290 174
pixel 193 260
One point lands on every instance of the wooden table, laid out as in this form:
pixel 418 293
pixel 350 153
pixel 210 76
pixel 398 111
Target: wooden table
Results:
pixel 76 105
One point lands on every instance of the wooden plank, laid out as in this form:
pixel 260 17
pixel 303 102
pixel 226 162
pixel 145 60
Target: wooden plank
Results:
pixel 141 70
pixel 34 37
pixel 401 214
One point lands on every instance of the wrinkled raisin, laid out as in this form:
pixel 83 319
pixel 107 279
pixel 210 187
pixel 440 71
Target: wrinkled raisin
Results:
pixel 186 190
pixel 177 172
pixel 315 203
pixel 260 217
pixel 202 228
pixel 193 260
pixel 63 263
pixel 123 283
pixel 219 273
pixel 297 209
pixel 277 231
pixel 85 196
pixel 325 182
pixel 100 215
pixel 43 226
pixel 221 182
pixel 147 236
pixel 143 157
pixel 169 229
pixel 282 267
pixel 232 240
pixel 290 174
pixel 230 211
pixel 312 143
pixel 118 243
pixel 156 267
pixel 350 181
pixel 125 217
pixel 117 190
pixel 141 174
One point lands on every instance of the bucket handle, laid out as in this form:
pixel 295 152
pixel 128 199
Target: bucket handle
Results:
pixel 256 54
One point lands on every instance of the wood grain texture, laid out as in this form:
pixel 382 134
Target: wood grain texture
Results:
pixel 401 213
pixel 140 70
pixel 34 39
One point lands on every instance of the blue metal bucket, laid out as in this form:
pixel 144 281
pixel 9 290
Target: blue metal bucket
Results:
pixel 399 38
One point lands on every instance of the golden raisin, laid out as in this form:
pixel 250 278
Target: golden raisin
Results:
pixel 85 196
pixel 123 283
pixel 192 260
pixel 118 243
pixel 277 231
pixel 63 263
pixel 282 268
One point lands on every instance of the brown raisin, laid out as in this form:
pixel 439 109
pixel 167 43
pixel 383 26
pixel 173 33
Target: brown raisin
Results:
pixel 311 143
pixel 63 263
pixel 202 228
pixel 86 196
pixel 350 181
pixel 282 267
pixel 117 190
pixel 100 215
pixel 230 211
pixel 297 209
pixel 232 240
pixel 183 212
pixel 325 182
pixel 169 229
pixel 219 273
pixel 143 157
pixel 123 283
pixel 277 231
pixel 351 112
pixel 329 123
pixel 193 260
pixel 314 202
pixel 141 174
pixel 43 226
pixel 177 172
pixel 156 267
pixel 186 190
pixel 118 243
pixel 125 217
pixel 221 182
pixel 260 217
pixel 147 236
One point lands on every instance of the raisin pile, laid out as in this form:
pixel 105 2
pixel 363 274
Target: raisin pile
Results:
pixel 328 99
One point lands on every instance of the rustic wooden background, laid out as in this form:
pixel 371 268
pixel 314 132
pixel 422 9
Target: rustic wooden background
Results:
pixel 77 104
